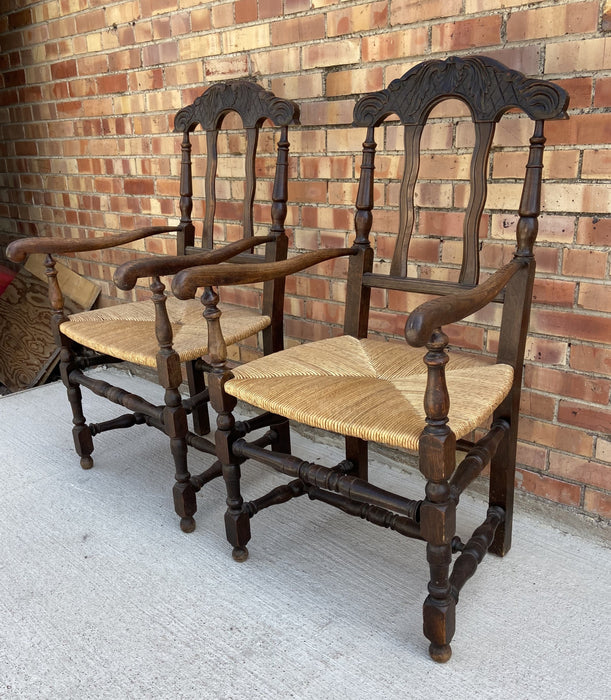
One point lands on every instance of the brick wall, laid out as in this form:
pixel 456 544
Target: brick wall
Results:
pixel 87 95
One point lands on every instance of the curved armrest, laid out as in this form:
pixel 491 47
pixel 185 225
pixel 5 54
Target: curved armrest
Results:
pixel 17 251
pixel 454 307
pixel 186 283
pixel 129 273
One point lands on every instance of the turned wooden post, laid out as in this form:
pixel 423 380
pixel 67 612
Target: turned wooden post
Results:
pixel 273 293
pixel 174 414
pixel 81 433
pixel 237 521
pixel 437 448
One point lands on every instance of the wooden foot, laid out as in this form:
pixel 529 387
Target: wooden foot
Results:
pixel 237 529
pixel 239 554
pixel 187 524
pixel 86 462
pixel 185 504
pixel 440 652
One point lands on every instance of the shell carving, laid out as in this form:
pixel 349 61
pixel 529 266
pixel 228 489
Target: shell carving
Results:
pixel 488 87
pixel 253 103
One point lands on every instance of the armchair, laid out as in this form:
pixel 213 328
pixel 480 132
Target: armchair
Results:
pixel 412 396
pixel 162 333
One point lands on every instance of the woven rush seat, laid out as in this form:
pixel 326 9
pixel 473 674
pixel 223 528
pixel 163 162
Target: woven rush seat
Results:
pixel 368 389
pixel 127 331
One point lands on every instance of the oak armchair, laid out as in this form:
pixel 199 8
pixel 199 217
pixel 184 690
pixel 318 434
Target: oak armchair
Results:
pixel 413 395
pixel 162 333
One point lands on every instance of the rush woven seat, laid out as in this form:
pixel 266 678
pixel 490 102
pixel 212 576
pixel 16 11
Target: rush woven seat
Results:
pixel 368 389
pixel 422 395
pixel 127 331
pixel 162 333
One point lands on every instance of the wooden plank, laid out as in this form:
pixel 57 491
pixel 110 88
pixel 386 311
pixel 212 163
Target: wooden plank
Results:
pixel 28 353
pixel 80 290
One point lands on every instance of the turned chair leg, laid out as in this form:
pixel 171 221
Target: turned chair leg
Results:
pixel 237 520
pixel 184 493
pixel 437 455
pixel 83 440
pixel 176 427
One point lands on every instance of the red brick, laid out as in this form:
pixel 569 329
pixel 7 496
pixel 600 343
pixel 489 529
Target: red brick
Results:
pixel 596 164
pixel 551 352
pixel 360 18
pixel 324 311
pixel 537 405
pixel 551 489
pixel 331 53
pixel 587 358
pixel 595 296
pixel 20 19
pixel 91 65
pixel 602 95
pixel 556 20
pixel 579 89
pixel 159 54
pixel 90 21
pixel 308 330
pixel 245 11
pixel 564 383
pixel 565 324
pixel 579 129
pixel 584 263
pixel 558 437
pixel 532 456
pixel 224 68
pixel 298 30
pixel 593 419
pixel 410 11
pixel 554 292
pixel 63 70
pixel 466 34
pixel 594 231
pixel 584 471
pixel 598 503
pixel 296 6
pixel 111 83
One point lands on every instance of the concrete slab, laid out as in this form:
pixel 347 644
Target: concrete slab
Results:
pixel 102 596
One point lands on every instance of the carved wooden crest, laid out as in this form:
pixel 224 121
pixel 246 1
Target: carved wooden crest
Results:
pixel 488 87
pixel 253 103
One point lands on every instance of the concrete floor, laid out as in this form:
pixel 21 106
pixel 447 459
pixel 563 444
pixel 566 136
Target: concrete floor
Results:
pixel 102 596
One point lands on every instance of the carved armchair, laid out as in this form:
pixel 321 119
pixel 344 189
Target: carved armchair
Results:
pixel 162 333
pixel 413 395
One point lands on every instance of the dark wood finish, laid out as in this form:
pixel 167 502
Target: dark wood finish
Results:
pixel 254 105
pixel 489 89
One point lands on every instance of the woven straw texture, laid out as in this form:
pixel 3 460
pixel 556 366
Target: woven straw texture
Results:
pixel 369 388
pixel 127 331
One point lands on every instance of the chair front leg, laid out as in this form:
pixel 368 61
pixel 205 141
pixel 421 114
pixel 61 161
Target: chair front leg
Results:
pixel 174 414
pixel 237 520
pixel 83 439
pixel 437 449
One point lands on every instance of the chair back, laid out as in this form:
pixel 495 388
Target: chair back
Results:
pixel 244 106
pixel 489 90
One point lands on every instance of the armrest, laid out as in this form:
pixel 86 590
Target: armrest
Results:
pixel 129 273
pixel 187 282
pixel 454 307
pixel 17 251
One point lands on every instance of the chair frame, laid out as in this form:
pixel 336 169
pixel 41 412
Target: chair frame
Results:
pixel 346 485
pixel 254 105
